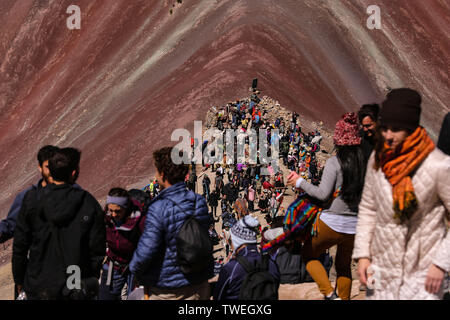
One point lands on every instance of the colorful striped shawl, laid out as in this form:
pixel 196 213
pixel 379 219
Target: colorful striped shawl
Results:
pixel 301 215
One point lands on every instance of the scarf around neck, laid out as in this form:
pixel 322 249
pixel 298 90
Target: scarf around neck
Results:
pixel 398 164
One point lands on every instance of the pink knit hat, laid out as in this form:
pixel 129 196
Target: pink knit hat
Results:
pixel 346 132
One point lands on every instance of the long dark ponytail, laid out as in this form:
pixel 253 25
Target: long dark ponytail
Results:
pixel 351 159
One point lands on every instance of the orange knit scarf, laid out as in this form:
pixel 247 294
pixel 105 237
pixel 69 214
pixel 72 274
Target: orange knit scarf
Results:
pixel 397 166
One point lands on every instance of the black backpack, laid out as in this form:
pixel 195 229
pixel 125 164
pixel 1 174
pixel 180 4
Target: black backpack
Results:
pixel 258 284
pixel 291 266
pixel 194 247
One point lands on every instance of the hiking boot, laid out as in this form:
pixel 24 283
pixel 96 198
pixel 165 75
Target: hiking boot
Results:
pixel 334 296
pixel 363 287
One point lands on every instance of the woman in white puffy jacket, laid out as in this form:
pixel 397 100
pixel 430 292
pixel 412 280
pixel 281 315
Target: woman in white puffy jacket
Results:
pixel 402 245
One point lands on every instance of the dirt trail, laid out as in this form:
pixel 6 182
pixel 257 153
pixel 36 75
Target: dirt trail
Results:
pixel 6 278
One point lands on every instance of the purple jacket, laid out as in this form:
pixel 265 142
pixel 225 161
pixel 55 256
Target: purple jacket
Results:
pixel 122 240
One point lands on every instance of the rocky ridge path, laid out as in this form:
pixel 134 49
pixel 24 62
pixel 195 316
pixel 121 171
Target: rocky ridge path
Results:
pixel 303 291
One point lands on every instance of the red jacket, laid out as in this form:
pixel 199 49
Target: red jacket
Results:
pixel 267 185
pixel 122 240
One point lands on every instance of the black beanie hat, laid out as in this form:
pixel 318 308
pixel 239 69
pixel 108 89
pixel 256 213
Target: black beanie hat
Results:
pixel 401 109
pixel 369 110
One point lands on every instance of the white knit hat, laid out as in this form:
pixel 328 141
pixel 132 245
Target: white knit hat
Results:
pixel 244 231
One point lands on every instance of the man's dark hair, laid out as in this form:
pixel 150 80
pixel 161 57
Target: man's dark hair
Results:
pixel 74 155
pixel 173 173
pixel 369 110
pixel 63 163
pixel 45 153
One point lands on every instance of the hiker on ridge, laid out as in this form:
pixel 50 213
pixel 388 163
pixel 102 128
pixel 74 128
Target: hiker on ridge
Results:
pixel 337 222
pixel 401 239
pixel 214 202
pixel 59 228
pixel 244 244
pixel 8 224
pixel 368 116
pixel 155 260
pixel 206 182
pixel 124 226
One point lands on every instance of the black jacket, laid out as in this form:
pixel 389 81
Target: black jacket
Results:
pixel 214 199
pixel 58 226
pixel 231 192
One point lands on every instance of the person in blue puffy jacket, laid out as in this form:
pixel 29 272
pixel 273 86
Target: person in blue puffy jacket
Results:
pixel 154 262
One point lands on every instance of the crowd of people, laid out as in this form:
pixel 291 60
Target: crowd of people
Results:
pixel 384 191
